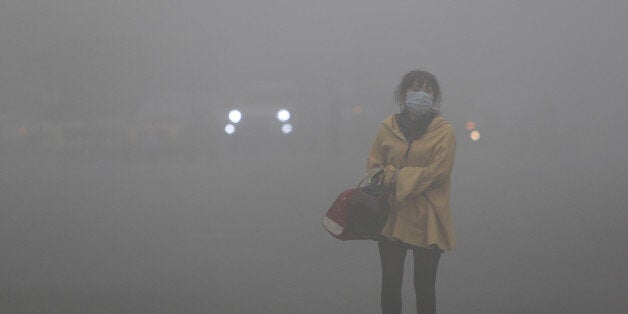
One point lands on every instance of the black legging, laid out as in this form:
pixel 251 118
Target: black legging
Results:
pixel 392 255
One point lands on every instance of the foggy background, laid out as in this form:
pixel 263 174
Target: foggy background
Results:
pixel 120 192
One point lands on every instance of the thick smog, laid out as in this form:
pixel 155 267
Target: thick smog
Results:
pixel 162 157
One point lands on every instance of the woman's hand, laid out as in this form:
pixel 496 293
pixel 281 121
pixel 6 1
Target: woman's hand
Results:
pixel 393 180
pixel 390 177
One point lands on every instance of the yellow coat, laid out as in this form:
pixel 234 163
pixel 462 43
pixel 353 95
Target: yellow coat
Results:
pixel 419 201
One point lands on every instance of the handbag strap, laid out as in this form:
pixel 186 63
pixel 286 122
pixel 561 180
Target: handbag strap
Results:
pixel 370 174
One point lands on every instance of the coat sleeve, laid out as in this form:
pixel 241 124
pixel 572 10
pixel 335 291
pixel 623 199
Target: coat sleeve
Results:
pixel 377 158
pixel 412 181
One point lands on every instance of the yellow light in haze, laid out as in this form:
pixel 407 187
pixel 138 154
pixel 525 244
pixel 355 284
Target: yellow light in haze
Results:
pixel 357 109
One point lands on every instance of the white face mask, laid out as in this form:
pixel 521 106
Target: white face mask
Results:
pixel 419 102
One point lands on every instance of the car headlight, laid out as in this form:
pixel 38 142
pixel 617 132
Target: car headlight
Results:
pixel 283 115
pixel 235 116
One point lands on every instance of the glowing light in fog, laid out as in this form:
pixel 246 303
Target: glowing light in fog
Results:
pixel 357 109
pixel 283 115
pixel 470 125
pixel 235 116
pixel 229 129
pixel 286 128
pixel 475 135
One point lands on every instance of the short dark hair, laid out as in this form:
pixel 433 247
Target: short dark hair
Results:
pixel 420 77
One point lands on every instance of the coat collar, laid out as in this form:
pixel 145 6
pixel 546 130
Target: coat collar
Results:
pixel 391 123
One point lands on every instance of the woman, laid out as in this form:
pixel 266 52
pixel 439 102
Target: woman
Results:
pixel 416 147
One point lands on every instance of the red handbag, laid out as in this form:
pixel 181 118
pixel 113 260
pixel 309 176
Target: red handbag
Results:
pixel 359 213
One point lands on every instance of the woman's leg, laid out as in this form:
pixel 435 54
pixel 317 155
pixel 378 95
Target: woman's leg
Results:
pixel 392 254
pixel 425 266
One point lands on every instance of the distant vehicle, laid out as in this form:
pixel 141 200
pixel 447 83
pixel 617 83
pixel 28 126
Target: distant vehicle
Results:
pixel 259 119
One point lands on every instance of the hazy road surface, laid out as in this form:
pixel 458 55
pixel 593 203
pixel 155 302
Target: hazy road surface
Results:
pixel 234 235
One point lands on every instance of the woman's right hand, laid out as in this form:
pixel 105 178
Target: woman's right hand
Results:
pixel 393 180
pixel 390 177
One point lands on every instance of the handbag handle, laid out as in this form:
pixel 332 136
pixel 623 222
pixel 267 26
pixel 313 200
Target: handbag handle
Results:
pixel 370 174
